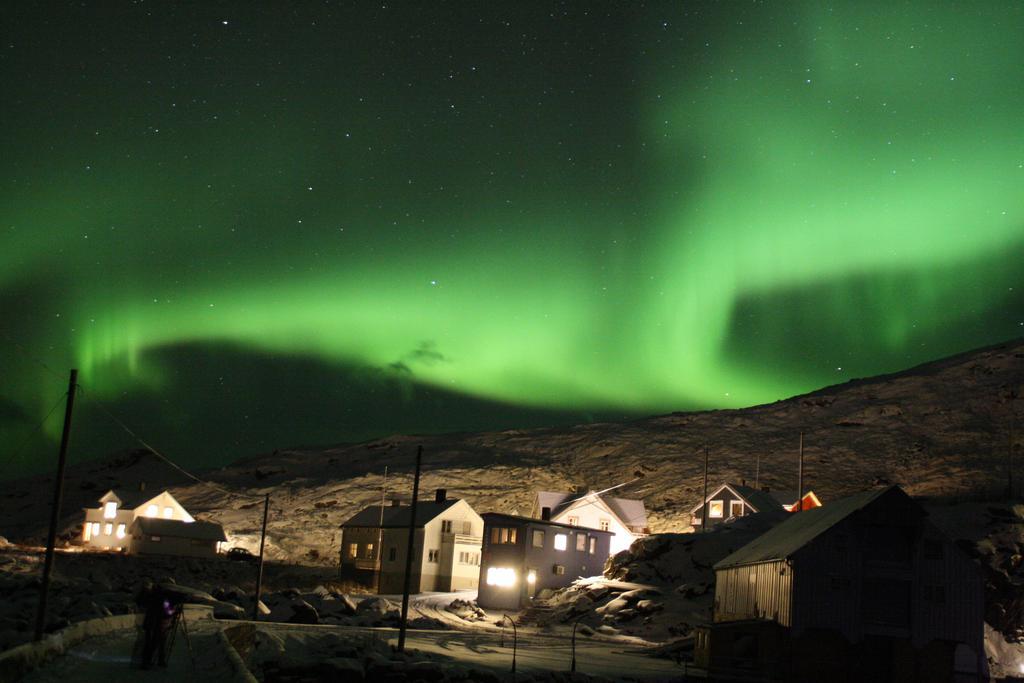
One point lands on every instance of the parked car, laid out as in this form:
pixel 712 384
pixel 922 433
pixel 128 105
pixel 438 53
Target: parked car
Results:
pixel 241 555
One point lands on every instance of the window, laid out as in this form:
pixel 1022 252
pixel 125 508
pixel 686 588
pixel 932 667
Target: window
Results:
pixel 151 510
pixel 558 570
pixel 368 554
pixel 433 556
pixel 574 521
pixel 353 550
pixel 155 539
pixel 86 531
pixel 735 508
pixel 110 510
pixel 467 528
pixel 503 535
pixel 715 509
pixel 392 553
pixel 501 576
pixel 538 538
pixel 108 529
pixel 604 524
pixel 581 542
pixel 168 512
pixel 446 526
pixel 531 577
pixel 593 545
pixel 120 530
pixel 932 549
pixel 95 528
pixel 560 541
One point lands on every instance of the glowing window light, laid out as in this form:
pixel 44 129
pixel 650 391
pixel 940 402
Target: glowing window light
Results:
pixel 151 511
pixel 110 510
pixel 531 577
pixel 108 529
pixel 95 528
pixel 560 541
pixel 168 512
pixel 120 530
pixel 501 576
pixel 86 532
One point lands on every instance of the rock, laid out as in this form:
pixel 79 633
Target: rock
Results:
pixel 426 671
pixel 376 607
pixel 303 613
pixel 648 606
pixel 227 610
pixel 346 669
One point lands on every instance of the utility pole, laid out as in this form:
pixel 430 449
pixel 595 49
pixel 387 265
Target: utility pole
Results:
pixel 58 496
pixel 704 510
pixel 259 573
pixel 757 473
pixel 380 529
pixel 408 551
pixel 800 478
pixel 1009 459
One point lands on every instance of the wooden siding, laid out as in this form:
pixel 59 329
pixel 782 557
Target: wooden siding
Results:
pixel 754 591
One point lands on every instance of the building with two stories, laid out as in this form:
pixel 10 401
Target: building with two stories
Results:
pixel 625 518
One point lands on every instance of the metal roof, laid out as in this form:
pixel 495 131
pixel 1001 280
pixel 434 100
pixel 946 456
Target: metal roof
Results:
pixel 760 500
pixel 490 517
pixel 631 512
pixel 799 529
pixel 174 528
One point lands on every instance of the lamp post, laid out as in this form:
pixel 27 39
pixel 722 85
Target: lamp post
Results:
pixel 572 669
pixel 515 639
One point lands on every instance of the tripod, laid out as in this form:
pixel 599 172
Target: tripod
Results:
pixel 179 622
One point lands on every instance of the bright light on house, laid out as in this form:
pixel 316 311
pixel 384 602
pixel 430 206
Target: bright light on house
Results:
pixel 560 541
pixel 151 510
pixel 531 577
pixel 110 510
pixel 120 530
pixel 501 576
pixel 168 512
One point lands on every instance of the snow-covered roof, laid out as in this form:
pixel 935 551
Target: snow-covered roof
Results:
pixel 491 517
pixel 631 512
pixel 133 500
pixel 799 529
pixel 397 516
pixel 174 528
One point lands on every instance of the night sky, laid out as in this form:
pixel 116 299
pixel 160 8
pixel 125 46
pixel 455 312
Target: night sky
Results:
pixel 259 227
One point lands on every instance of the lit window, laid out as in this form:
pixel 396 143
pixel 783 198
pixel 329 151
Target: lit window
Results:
pixel 605 524
pixel 86 532
pixel 715 509
pixel 108 528
pixel 531 577
pixel 168 512
pixel 353 549
pixel 593 545
pixel 501 576
pixel 574 521
pixel 369 552
pixel 155 538
pixel 560 542
pixel 503 535
pixel 581 542
pixel 151 511
pixel 95 528
pixel 120 530
pixel 538 538
pixel 735 508
pixel 110 510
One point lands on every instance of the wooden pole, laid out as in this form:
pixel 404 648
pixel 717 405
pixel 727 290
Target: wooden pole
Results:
pixel 800 478
pixel 1009 459
pixel 757 473
pixel 58 497
pixel 408 552
pixel 704 510
pixel 259 573
pixel 380 528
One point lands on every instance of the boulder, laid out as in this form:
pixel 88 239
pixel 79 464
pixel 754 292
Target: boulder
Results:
pixel 303 613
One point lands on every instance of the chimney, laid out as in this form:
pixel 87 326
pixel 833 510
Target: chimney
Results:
pixel 581 489
pixel 440 495
pixel 545 514
pixel 743 482
pixel 142 486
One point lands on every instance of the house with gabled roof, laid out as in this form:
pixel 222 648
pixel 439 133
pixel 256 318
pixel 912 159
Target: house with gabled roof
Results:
pixel 865 588
pixel 625 518
pixel 107 526
pixel 446 545
pixel 730 501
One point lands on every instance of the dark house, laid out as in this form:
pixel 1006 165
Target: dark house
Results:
pixel 729 501
pixel 524 555
pixel 862 589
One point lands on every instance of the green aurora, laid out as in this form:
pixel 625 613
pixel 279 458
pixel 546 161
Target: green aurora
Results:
pixel 621 211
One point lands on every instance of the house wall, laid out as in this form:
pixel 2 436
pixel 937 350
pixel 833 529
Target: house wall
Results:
pixel 726 496
pixel 590 511
pixel 522 557
pixel 163 501
pixel 445 574
pixel 144 544
pixel 393 570
pixel 127 516
pixel 756 591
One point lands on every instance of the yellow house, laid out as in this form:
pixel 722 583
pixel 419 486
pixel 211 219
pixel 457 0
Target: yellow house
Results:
pixel 108 525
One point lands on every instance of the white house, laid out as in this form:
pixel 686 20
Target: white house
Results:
pixel 112 525
pixel 446 545
pixel 626 518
